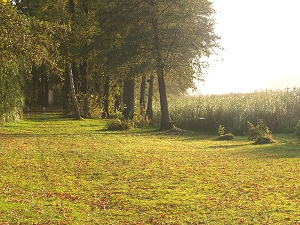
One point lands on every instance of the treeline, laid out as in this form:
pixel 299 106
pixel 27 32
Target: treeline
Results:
pixel 278 109
pixel 97 54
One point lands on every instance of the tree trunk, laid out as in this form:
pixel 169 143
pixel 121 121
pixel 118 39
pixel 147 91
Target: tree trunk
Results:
pixel 34 86
pixel 165 122
pixel 84 72
pixel 117 102
pixel 97 88
pixel 106 96
pixel 142 93
pixel 46 91
pixel 149 111
pixel 73 92
pixel 85 87
pixel 75 76
pixel 128 99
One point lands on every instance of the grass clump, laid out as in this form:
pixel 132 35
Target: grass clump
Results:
pixel 260 134
pixel 223 136
pixel 119 123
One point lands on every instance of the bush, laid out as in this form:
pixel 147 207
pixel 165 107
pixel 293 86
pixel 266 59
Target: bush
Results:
pixel 297 129
pixel 225 137
pixel 260 133
pixel 221 130
pixel 120 123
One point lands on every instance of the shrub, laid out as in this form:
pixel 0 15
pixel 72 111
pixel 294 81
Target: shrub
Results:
pixel 221 130
pixel 120 124
pixel 223 136
pixel 297 129
pixel 260 133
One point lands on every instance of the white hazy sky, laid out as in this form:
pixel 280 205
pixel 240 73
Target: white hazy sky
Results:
pixel 261 41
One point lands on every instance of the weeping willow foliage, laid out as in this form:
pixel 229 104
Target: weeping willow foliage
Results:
pixel 11 95
pixel 24 41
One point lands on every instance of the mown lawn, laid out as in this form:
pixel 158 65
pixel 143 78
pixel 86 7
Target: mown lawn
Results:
pixel 62 171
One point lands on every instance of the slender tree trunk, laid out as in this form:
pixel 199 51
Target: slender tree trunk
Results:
pixel 84 71
pixel 117 102
pixel 97 87
pixel 75 76
pixel 73 92
pixel 165 122
pixel 128 99
pixel 106 96
pixel 46 91
pixel 41 85
pixel 85 87
pixel 149 111
pixel 142 93
pixel 35 86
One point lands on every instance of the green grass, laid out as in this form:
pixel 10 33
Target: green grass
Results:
pixel 63 171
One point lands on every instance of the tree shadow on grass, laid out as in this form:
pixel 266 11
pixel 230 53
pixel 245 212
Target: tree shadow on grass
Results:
pixel 229 146
pixel 174 133
pixel 40 117
pixel 286 148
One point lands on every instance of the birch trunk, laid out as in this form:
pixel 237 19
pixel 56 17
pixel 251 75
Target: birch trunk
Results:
pixel 73 92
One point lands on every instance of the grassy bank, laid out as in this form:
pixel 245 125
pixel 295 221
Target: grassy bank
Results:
pixel 62 171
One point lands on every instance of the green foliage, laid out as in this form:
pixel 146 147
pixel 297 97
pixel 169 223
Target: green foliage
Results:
pixel 11 95
pixel 120 123
pixel 223 136
pixel 260 133
pixel 221 130
pixel 27 38
pixel 23 41
pixel 297 129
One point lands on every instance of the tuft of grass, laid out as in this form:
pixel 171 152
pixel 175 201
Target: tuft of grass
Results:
pixel 225 137
pixel 63 171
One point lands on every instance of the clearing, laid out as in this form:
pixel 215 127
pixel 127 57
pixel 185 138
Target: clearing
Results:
pixel 63 171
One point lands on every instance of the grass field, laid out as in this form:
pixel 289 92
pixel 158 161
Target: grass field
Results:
pixel 62 171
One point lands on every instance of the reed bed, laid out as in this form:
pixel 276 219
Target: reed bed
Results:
pixel 278 109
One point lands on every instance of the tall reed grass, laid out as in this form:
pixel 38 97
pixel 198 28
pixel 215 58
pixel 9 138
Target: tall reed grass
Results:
pixel 280 110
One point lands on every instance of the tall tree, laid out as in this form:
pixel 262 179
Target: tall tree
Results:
pixel 71 64
pixel 165 122
pixel 182 33
pixel 177 34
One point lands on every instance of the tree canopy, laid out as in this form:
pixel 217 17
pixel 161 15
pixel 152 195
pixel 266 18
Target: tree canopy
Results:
pixel 107 42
